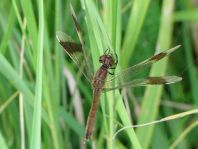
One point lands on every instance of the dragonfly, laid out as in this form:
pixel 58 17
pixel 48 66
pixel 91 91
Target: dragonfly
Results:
pixel 100 81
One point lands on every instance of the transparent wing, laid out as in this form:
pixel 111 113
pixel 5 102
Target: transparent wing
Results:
pixel 145 82
pixel 128 75
pixel 76 51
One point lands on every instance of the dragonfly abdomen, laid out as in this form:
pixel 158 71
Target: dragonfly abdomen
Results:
pixel 99 78
pixel 98 83
pixel 92 113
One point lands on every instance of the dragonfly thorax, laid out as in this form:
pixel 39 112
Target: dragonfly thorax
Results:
pixel 106 60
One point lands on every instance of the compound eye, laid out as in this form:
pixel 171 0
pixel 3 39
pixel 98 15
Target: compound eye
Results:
pixel 111 61
pixel 101 59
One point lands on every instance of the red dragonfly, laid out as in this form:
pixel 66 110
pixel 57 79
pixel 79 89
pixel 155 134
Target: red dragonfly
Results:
pixel 108 60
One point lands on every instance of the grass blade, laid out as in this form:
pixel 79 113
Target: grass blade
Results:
pixel 137 16
pixel 153 93
pixel 36 126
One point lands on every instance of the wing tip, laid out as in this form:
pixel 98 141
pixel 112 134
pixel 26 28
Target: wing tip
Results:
pixel 57 35
pixel 162 80
pixel 63 37
pixel 173 49
pixel 173 79
pixel 177 46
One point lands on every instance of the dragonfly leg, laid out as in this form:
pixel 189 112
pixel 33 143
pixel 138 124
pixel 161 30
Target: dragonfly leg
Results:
pixel 107 51
pixel 111 73
pixel 116 60
pixel 112 67
pixel 115 64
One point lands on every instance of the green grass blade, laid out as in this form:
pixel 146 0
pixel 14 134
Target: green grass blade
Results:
pixel 72 123
pixel 191 68
pixel 153 93
pixel 3 143
pixel 112 21
pixel 186 16
pixel 35 141
pixel 31 24
pixel 17 14
pixel 137 16
pixel 8 31
pixel 184 134
pixel 12 76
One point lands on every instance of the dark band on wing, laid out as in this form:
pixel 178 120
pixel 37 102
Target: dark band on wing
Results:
pixel 158 56
pixel 156 80
pixel 162 80
pixel 71 47
pixel 75 19
pixel 76 23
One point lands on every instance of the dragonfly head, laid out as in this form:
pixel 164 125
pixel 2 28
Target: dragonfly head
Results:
pixel 106 60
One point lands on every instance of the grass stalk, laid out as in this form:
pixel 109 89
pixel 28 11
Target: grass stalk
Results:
pixel 153 94
pixel 135 23
pixel 35 141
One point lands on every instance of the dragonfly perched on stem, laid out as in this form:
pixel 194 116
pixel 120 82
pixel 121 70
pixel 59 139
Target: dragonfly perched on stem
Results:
pixel 109 61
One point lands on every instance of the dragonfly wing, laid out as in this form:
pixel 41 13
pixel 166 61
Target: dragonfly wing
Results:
pixel 71 48
pixel 130 73
pixel 144 82
pixel 76 51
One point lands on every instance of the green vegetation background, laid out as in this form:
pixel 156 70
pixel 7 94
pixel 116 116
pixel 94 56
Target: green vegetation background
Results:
pixel 40 106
